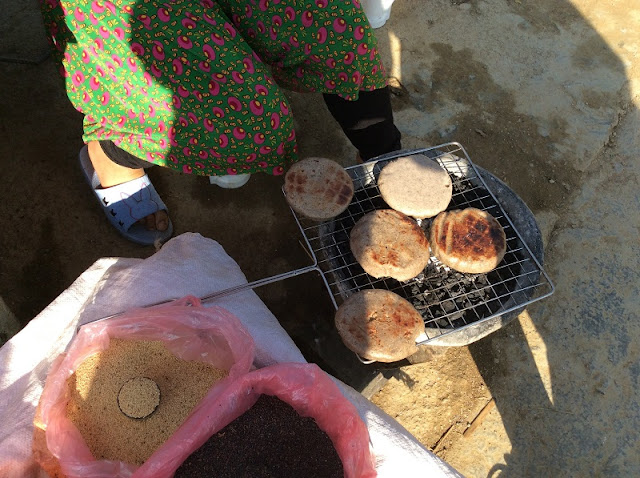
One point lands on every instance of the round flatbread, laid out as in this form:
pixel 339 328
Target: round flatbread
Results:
pixel 318 188
pixel 379 325
pixel 386 243
pixel 468 240
pixel 416 186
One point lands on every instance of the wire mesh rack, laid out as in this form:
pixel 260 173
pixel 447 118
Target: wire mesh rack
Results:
pixel 448 301
pixel 457 308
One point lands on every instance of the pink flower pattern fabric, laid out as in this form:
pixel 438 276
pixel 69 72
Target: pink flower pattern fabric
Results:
pixel 194 85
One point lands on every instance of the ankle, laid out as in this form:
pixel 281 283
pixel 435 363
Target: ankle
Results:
pixel 108 172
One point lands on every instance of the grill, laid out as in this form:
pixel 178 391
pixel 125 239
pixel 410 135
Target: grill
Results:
pixel 457 308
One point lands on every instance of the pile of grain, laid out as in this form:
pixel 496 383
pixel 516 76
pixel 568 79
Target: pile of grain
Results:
pixel 93 405
pixel 270 439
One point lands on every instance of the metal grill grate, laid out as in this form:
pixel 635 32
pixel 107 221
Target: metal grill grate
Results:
pixel 457 308
pixel 448 301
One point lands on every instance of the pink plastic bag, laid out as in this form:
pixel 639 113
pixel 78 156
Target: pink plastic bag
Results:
pixel 303 386
pixel 211 335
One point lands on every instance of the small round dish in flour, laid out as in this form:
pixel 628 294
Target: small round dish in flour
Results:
pixel 416 186
pixel 387 243
pixel 379 325
pixel 318 188
pixel 139 397
pixel 468 240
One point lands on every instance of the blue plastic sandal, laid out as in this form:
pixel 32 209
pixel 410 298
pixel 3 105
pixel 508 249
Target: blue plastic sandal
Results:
pixel 127 203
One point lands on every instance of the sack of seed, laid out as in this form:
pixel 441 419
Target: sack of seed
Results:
pixel 285 420
pixel 126 384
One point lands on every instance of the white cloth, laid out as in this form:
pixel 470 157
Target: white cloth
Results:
pixel 186 265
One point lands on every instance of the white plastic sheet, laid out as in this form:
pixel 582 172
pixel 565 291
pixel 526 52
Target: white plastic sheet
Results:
pixel 186 265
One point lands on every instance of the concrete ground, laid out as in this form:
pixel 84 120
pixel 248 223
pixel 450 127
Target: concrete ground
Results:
pixel 542 94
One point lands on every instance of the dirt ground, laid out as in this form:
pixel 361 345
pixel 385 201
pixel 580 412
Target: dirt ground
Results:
pixel 542 94
pixel 550 106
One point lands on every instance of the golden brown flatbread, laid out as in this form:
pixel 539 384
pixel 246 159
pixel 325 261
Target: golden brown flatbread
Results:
pixel 387 243
pixel 468 240
pixel 379 325
pixel 416 186
pixel 318 188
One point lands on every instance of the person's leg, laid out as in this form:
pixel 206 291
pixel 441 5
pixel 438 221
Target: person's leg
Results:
pixel 367 121
pixel 325 46
pixel 111 172
pixel 106 88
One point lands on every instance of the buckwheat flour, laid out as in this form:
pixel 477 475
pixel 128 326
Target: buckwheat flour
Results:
pixel 94 387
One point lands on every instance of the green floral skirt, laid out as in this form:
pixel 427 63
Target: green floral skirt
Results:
pixel 194 85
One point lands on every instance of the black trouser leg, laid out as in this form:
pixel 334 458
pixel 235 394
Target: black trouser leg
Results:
pixel 367 121
pixel 121 157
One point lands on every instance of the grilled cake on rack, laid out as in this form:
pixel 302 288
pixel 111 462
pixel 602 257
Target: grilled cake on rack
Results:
pixel 318 188
pixel 378 324
pixel 387 243
pixel 468 240
pixel 416 186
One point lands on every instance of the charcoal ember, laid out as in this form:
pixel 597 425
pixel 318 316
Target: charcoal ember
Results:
pixel 481 280
pixel 454 289
pixel 453 299
pixel 461 185
pixel 419 303
pixel 448 306
pixel 456 316
pixel 419 278
pixel 430 297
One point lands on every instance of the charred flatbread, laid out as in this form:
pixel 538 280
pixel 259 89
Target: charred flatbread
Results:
pixel 387 243
pixel 379 325
pixel 468 240
pixel 318 188
pixel 416 186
